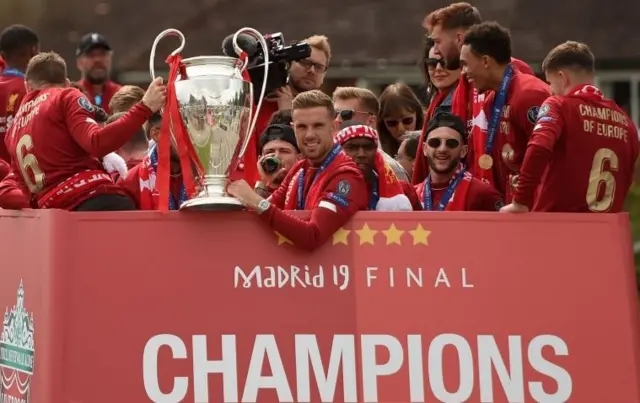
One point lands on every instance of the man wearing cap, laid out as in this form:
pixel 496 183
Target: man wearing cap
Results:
pixel 279 141
pixel 386 192
pixel 449 187
pixel 93 59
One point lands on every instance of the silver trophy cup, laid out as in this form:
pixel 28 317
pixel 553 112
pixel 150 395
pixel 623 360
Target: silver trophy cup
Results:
pixel 216 105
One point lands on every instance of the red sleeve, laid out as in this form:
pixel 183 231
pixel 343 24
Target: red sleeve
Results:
pixel 549 125
pixel 484 197
pixel 5 168
pixel 527 108
pixel 334 209
pixel 95 140
pixel 131 184
pixel 536 160
pixel 411 194
pixel 12 196
pixel 279 195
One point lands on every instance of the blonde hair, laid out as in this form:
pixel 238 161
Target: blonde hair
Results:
pixel 367 99
pixel 313 99
pixel 321 43
pixel 46 68
pixel 125 98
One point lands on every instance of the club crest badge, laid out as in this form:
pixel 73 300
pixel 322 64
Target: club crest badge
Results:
pixel 16 352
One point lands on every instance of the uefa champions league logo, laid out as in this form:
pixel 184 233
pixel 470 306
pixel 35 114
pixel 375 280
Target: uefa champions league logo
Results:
pixel 16 352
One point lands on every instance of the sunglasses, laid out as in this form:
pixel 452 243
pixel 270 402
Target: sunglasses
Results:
pixel 307 64
pixel 405 121
pixel 432 62
pixel 435 142
pixel 348 114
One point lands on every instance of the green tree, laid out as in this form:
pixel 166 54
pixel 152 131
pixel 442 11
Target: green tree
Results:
pixel 633 207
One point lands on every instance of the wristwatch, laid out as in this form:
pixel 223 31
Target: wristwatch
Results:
pixel 263 206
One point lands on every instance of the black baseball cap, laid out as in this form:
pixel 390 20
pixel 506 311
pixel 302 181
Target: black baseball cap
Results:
pixel 446 119
pixel 92 41
pixel 278 132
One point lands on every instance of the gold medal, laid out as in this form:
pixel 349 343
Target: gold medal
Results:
pixel 485 161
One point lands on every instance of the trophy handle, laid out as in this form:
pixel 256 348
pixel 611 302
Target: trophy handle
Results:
pixel 166 32
pixel 253 115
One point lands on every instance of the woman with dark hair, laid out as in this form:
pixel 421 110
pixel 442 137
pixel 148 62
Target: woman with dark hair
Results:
pixel 400 112
pixel 440 84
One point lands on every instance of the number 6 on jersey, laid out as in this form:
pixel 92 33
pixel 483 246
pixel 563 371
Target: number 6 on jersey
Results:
pixel 600 201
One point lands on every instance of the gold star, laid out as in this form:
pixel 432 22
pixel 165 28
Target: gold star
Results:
pixel 366 234
pixel 282 239
pixel 341 236
pixel 393 235
pixel 420 235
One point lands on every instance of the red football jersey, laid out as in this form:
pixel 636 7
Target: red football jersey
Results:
pixel 525 96
pixel 12 90
pixel 54 137
pixel 592 147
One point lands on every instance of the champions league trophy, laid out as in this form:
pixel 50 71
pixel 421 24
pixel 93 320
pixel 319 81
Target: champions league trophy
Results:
pixel 216 105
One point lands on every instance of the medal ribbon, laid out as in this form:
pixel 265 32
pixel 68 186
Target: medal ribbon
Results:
pixel 11 72
pixel 446 197
pixel 374 197
pixel 498 104
pixel 327 161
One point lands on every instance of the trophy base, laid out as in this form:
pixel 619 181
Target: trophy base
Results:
pixel 220 203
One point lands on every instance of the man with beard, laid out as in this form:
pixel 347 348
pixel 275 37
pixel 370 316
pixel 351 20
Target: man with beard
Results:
pixel 304 75
pixel 326 182
pixel 447 27
pixel 55 143
pixel 512 103
pixel 583 149
pixel 449 187
pixel 386 192
pixel 360 105
pixel 93 59
pixel 18 44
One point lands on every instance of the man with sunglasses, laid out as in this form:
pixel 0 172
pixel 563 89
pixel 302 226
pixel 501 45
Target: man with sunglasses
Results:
pixel 360 105
pixel 386 192
pixel 449 187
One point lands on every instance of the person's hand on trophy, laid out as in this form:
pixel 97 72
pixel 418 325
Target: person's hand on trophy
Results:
pixel 242 191
pixel 156 95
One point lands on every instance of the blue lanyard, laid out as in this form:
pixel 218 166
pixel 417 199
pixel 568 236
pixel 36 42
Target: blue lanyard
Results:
pixel 11 72
pixel 327 161
pixel 498 104
pixel 374 197
pixel 98 100
pixel 444 200
pixel 153 156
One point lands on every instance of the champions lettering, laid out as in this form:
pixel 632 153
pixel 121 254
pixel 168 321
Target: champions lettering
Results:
pixel 421 359
pixel 28 110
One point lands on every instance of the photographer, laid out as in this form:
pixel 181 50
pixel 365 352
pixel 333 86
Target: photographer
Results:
pixel 304 75
pixel 278 152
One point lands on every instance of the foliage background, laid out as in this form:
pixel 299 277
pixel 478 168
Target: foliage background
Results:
pixel 633 206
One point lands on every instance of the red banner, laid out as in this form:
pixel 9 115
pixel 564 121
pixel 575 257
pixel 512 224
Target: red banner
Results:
pixel 396 307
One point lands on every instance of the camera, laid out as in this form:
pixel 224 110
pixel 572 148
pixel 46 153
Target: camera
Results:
pixel 270 164
pixel 280 57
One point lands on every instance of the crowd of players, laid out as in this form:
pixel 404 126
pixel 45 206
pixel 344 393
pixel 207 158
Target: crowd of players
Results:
pixel 496 138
